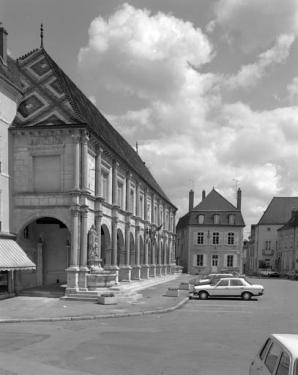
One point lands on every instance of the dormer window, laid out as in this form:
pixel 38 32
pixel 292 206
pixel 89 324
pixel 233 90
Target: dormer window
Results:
pixel 201 219
pixel 216 219
pixel 231 219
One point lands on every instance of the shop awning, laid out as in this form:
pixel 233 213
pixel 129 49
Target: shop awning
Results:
pixel 13 257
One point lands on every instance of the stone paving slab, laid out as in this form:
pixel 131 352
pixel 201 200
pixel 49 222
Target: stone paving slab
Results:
pixel 154 300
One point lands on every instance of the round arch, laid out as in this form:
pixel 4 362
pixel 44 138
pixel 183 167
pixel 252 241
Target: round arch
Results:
pixel 105 243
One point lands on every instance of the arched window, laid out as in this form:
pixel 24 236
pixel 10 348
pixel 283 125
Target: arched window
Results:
pixel 231 219
pixel 216 219
pixel 201 219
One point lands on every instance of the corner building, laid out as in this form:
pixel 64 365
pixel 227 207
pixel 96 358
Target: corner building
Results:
pixel 210 235
pixel 74 173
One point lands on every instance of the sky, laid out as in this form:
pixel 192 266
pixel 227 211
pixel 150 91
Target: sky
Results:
pixel 208 89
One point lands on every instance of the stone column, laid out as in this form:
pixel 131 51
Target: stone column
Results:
pixel 145 267
pixel 125 269
pixel 138 211
pixel 115 184
pixel 85 170
pixel 77 149
pixel 98 182
pixel 73 270
pixel 83 255
pixel 136 269
pixel 127 200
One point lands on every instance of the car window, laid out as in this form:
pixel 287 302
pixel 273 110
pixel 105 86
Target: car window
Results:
pixel 284 365
pixel 236 283
pixel 264 350
pixel 223 283
pixel 272 357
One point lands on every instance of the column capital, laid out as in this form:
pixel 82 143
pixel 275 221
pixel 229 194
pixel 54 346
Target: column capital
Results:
pixel 98 149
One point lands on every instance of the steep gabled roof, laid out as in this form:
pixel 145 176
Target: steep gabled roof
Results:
pixel 279 211
pixel 51 98
pixel 214 202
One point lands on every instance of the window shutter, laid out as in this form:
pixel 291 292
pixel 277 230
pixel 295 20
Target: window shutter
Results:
pixel 194 260
pixel 236 238
pixel 220 238
pixel 205 260
pixel 226 238
pixel 210 238
pixel 195 238
pixel 225 260
pixel 205 238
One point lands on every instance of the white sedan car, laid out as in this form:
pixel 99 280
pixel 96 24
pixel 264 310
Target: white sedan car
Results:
pixel 228 287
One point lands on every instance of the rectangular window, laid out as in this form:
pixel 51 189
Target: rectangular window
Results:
pixel 215 238
pixel 132 201
pixel 267 245
pixel 214 260
pixel 105 186
pixel 200 238
pixel 230 260
pixel 232 219
pixel 141 206
pixel 120 195
pixel 200 260
pixel 231 238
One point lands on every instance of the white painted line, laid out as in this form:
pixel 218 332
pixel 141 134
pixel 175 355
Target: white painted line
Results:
pixel 218 311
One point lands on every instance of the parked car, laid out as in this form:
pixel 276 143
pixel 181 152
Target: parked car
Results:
pixel 212 277
pixel 269 273
pixel 292 275
pixel 278 356
pixel 228 287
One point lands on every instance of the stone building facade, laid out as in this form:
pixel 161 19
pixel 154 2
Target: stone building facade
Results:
pixel 75 175
pixel 210 235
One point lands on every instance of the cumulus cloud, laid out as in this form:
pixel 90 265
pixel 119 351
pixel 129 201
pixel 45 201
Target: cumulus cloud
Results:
pixel 293 91
pixel 185 128
pixel 143 54
pixel 255 24
pixel 250 74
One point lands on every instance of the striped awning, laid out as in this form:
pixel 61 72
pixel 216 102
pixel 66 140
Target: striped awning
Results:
pixel 13 257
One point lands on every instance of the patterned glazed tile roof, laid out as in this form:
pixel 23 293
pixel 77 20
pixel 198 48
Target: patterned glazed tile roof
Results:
pixel 51 98
pixel 279 211
pixel 214 203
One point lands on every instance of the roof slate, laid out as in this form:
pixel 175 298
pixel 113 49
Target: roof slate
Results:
pixel 292 223
pixel 279 211
pixel 11 72
pixel 214 202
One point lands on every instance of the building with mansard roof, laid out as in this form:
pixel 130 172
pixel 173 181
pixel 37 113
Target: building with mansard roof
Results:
pixel 265 252
pixel 209 237
pixel 81 195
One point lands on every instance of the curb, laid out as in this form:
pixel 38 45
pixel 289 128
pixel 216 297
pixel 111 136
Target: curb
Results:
pixel 94 317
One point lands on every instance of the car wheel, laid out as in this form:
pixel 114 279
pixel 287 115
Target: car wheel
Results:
pixel 203 295
pixel 246 296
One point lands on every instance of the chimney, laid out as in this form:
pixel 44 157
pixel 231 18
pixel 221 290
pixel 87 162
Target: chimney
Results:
pixel 191 199
pixel 3 44
pixel 203 194
pixel 239 199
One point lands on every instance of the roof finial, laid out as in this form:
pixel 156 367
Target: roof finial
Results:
pixel 41 35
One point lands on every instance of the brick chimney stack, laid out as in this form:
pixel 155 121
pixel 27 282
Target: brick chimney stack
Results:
pixel 191 200
pixel 239 199
pixel 3 44
pixel 203 194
